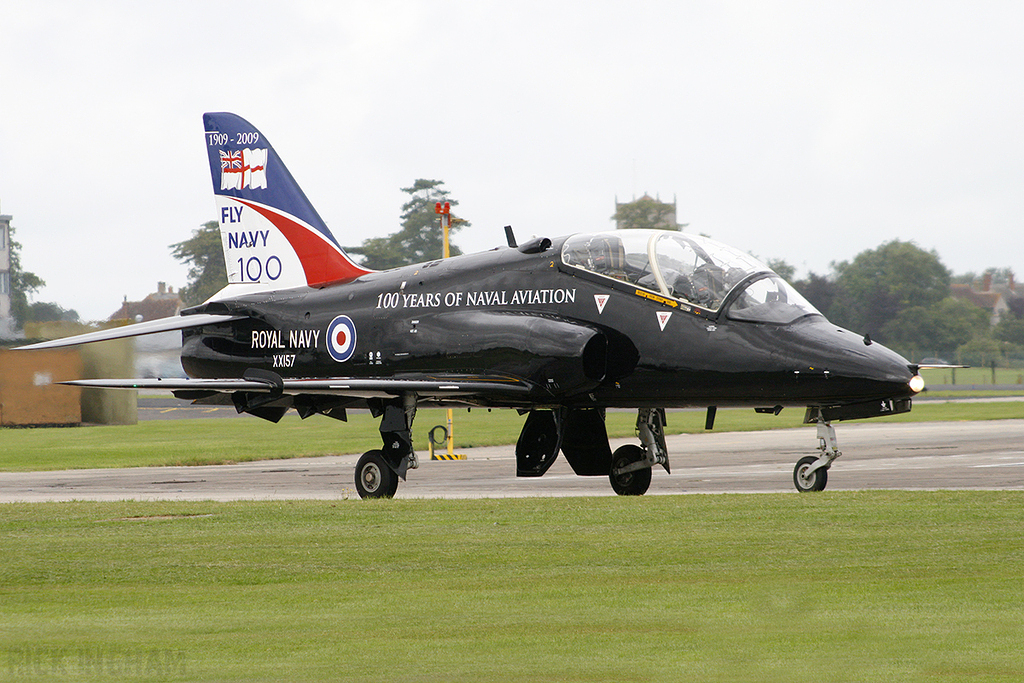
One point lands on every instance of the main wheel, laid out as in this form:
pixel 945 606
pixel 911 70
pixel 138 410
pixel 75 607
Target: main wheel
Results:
pixel 374 479
pixel 804 482
pixel 633 483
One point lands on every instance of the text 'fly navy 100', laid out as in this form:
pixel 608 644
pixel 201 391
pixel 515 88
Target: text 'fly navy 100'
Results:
pixel 560 329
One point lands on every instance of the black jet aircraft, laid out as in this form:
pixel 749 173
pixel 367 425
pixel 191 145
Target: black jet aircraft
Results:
pixel 560 329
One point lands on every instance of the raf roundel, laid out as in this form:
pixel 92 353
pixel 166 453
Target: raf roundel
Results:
pixel 341 338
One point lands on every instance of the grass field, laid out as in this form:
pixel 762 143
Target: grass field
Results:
pixel 973 375
pixel 866 586
pixel 213 441
pixel 858 586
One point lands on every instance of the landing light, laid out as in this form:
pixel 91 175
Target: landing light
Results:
pixel 916 384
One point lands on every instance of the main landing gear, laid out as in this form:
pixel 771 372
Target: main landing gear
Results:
pixel 378 471
pixel 580 434
pixel 811 473
pixel 631 465
pixel 374 478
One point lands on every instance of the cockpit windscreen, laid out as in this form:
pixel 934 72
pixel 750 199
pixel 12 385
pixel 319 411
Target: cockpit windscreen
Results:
pixel 770 299
pixel 690 268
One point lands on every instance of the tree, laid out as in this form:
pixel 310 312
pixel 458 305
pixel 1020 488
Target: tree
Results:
pixel 820 290
pixel 207 273
pixel 645 212
pixel 981 351
pixel 1010 329
pixel 939 328
pixel 23 284
pixel 47 311
pixel 881 283
pixel 782 268
pixel 967 278
pixel 993 276
pixel 1016 305
pixel 420 237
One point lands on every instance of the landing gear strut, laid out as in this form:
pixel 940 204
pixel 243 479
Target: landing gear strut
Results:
pixel 811 473
pixel 378 472
pixel 631 465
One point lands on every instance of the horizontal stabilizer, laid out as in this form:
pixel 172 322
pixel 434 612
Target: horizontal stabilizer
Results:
pixel 183 322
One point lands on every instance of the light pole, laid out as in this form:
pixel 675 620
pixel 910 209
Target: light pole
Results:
pixel 445 212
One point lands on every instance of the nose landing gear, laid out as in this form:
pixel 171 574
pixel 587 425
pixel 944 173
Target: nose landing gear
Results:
pixel 811 473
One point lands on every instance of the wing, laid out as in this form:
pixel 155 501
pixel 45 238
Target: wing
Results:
pixel 439 388
pixel 267 395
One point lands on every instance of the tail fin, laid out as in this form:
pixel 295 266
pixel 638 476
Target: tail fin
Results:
pixel 271 234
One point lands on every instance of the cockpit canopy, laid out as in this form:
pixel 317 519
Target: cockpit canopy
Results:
pixel 690 268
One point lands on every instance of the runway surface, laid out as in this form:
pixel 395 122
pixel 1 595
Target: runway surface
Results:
pixel 925 455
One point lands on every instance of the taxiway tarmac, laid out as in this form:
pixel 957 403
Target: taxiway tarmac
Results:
pixel 923 455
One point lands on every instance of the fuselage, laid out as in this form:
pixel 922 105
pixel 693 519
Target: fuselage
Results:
pixel 576 337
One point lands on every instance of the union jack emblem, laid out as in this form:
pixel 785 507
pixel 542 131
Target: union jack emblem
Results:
pixel 243 169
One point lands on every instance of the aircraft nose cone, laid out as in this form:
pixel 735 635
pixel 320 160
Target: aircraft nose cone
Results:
pixel 876 366
pixel 857 368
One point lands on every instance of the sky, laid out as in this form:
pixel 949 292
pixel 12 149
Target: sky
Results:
pixel 803 131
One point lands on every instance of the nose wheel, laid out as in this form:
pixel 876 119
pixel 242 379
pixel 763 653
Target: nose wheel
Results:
pixel 806 479
pixel 811 473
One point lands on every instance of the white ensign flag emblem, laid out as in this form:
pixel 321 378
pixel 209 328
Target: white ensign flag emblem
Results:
pixel 243 169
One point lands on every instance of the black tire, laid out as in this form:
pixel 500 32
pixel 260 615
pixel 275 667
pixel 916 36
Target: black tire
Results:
pixel 817 480
pixel 633 483
pixel 374 479
pixel 393 486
